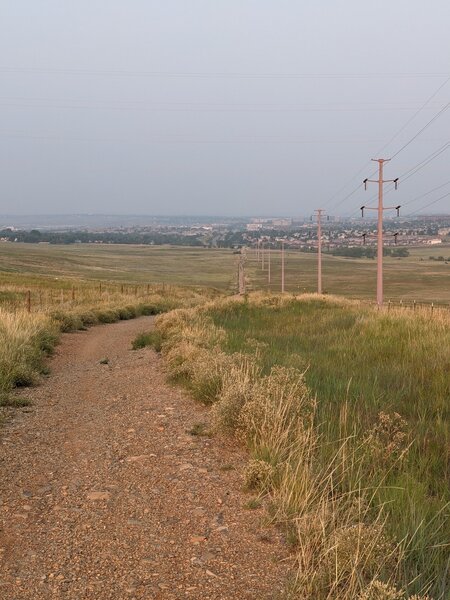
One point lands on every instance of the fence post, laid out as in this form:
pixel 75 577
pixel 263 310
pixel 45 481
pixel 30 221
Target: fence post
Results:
pixel 29 301
pixel 121 289
pixel 389 305
pixel 73 294
pixel 414 306
pixel 432 307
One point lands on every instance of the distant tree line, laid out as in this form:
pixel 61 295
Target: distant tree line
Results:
pixel 439 258
pixel 73 237
pixel 369 252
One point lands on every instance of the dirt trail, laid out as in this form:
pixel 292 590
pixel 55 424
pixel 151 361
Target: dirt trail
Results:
pixel 105 495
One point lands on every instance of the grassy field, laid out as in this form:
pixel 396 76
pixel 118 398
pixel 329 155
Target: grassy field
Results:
pixel 117 263
pixel 411 278
pixel 380 429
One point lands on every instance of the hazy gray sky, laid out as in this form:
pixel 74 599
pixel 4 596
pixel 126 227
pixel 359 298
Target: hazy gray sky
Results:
pixel 219 106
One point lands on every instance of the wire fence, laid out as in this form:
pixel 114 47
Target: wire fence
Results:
pixel 44 299
pixel 417 306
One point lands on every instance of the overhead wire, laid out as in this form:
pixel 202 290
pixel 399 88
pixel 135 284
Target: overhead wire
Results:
pixel 428 205
pixel 216 74
pixel 396 134
pixel 425 194
pixel 414 170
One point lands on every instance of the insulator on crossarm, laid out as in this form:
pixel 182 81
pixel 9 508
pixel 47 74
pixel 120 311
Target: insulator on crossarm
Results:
pixel 362 211
pixel 365 183
pixel 396 183
pixel 397 208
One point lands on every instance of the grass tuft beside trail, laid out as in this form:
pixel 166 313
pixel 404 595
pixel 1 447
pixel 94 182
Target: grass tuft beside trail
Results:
pixel 345 411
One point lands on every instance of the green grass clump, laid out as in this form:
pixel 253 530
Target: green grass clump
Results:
pixel 13 401
pixel 200 430
pixel 149 338
pixel 105 315
pixel 67 321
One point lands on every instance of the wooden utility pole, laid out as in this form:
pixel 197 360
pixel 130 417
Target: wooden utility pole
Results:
pixel 380 208
pixel 319 212
pixel 282 266
pixel 268 265
pixel 241 274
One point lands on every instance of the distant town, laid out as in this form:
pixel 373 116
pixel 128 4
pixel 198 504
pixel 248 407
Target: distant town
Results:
pixel 339 235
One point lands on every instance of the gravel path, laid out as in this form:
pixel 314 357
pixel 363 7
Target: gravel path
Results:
pixel 104 493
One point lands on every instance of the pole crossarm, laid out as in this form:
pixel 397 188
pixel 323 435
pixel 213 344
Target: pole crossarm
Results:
pixel 373 236
pixel 383 208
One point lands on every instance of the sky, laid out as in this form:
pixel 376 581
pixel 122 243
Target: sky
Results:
pixel 222 107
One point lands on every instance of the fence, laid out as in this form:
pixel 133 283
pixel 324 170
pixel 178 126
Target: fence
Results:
pixel 42 299
pixel 417 306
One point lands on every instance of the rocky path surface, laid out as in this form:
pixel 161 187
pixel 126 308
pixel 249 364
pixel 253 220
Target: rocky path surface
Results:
pixel 104 493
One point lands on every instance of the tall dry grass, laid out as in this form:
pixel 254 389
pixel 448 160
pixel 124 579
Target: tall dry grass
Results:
pixel 27 336
pixel 23 340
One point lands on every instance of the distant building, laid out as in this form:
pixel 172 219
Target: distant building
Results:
pixel 282 222
pixel 254 226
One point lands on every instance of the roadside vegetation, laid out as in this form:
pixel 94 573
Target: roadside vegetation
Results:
pixel 345 412
pixel 33 314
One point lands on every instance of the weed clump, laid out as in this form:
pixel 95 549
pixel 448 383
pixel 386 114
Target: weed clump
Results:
pixel 258 475
pixel 150 338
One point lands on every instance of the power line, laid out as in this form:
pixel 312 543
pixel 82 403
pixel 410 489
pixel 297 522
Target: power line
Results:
pixel 425 194
pixel 199 108
pixel 427 205
pixel 442 111
pixel 224 75
pixel 422 107
pixel 175 140
pixel 426 161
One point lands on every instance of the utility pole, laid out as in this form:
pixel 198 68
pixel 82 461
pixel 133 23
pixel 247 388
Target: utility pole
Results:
pixel 241 274
pixel 262 255
pixel 380 208
pixel 282 266
pixel 319 212
pixel 268 265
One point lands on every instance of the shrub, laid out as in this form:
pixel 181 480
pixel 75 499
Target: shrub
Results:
pixel 258 475
pixel 67 321
pixel 107 315
pixel 150 338
pixel 237 389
